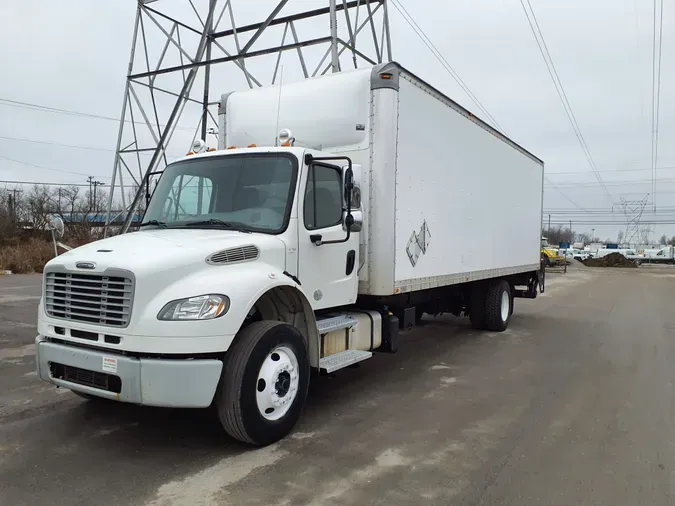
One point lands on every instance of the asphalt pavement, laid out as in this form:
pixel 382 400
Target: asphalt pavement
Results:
pixel 573 404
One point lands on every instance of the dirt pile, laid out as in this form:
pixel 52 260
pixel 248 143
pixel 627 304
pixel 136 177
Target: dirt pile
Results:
pixel 611 260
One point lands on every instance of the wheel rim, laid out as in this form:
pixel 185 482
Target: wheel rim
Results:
pixel 278 381
pixel 505 305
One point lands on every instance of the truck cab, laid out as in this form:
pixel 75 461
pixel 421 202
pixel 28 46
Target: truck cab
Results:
pixel 262 238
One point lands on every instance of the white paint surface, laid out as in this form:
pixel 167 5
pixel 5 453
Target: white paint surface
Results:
pixel 209 487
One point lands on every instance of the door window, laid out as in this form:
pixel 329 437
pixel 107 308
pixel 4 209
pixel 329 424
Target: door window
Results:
pixel 323 197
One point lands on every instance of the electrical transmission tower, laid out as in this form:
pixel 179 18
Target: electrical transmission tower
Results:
pixel 633 210
pixel 185 54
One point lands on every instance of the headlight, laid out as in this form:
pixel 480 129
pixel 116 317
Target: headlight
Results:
pixel 202 307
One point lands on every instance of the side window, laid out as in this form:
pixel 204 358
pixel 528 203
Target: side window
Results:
pixel 323 197
pixel 190 197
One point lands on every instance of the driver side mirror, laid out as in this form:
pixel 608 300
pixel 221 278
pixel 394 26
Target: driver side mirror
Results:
pixel 353 217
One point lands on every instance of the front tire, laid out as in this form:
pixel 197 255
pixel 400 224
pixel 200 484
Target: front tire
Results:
pixel 264 383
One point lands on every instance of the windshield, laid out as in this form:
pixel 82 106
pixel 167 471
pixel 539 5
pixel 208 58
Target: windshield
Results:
pixel 250 192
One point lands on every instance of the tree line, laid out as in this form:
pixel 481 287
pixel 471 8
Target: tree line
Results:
pixel 27 212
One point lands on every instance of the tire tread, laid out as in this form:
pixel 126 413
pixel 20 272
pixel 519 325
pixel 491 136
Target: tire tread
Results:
pixel 493 309
pixel 234 367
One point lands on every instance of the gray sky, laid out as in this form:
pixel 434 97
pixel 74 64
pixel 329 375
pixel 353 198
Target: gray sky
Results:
pixel 73 55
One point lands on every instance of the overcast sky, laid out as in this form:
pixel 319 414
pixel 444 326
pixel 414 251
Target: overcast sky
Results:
pixel 73 55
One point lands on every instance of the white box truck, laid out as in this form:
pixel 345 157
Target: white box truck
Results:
pixel 335 211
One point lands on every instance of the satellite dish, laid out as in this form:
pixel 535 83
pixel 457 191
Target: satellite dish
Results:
pixel 57 227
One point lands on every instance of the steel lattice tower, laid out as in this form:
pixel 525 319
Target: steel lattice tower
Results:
pixel 633 210
pixel 181 50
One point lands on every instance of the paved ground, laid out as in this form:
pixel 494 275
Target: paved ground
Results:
pixel 573 404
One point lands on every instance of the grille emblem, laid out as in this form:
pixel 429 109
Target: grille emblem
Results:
pixel 85 265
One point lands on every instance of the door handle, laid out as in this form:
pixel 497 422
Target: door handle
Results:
pixel 316 239
pixel 351 260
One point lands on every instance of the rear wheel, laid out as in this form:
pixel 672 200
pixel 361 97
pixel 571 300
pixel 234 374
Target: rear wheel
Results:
pixel 264 383
pixel 498 302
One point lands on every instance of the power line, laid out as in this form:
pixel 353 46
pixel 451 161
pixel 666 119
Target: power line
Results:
pixel 45 168
pixel 555 186
pixel 443 61
pixel 572 173
pixel 656 90
pixel 618 222
pixel 69 112
pixel 622 182
pixel 77 146
pixel 560 90
pixel 36 183
pixel 33 141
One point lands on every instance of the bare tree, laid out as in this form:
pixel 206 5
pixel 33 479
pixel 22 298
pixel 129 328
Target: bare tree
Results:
pixel 585 238
pixel 664 240
pixel 619 237
pixel 39 204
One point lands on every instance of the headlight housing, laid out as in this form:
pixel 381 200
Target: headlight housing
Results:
pixel 201 307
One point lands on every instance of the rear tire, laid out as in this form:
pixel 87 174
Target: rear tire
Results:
pixel 498 303
pixel 264 383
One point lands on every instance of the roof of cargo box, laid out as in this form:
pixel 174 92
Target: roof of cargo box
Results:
pixel 295 106
pixel 388 67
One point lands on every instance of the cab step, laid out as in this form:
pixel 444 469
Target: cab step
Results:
pixel 333 323
pixel 343 359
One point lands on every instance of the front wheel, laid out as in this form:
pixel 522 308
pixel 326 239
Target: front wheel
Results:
pixel 264 383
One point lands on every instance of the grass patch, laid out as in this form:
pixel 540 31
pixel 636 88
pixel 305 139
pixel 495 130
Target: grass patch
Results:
pixel 26 257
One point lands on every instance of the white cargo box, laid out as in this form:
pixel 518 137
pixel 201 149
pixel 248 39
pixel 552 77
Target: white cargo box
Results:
pixel 447 198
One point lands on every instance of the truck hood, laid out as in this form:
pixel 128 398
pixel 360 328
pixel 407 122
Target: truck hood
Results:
pixel 160 250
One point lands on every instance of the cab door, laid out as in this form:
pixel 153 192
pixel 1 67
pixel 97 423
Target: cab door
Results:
pixel 328 272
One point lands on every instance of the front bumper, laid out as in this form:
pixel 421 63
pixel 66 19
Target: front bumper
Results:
pixel 179 383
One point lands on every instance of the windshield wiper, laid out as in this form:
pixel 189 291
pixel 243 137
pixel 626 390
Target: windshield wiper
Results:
pixel 213 222
pixel 158 224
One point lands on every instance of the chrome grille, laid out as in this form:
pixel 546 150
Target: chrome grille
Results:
pixel 89 298
pixel 232 255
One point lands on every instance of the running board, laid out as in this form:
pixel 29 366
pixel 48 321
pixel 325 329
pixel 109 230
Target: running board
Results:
pixel 343 359
pixel 333 323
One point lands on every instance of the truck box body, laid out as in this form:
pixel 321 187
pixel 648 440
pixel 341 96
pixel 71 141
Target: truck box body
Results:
pixel 445 195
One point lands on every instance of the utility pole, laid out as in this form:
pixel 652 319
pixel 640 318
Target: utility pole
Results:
pixel 548 232
pixel 11 204
pixel 90 180
pixel 96 184
pixel 92 185
pixel 571 234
